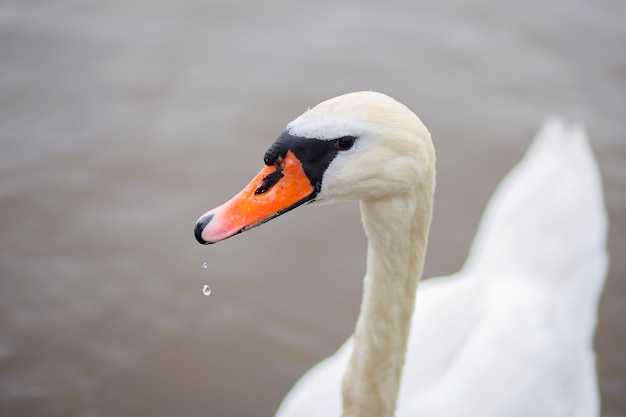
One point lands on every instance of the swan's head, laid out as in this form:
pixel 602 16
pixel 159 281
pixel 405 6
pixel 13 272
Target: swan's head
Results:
pixel 359 146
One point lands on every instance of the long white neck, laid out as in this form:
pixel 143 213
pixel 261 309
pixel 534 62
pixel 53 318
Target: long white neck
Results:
pixel 397 231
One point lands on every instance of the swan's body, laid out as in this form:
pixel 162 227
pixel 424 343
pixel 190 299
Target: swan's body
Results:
pixel 509 335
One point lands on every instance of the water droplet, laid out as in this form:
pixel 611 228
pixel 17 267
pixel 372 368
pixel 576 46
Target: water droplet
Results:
pixel 206 290
pixel 205 265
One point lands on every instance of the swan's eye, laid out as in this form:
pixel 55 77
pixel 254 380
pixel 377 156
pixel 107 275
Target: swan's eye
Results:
pixel 344 143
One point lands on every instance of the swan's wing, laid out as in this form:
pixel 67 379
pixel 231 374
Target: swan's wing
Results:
pixel 547 219
pixel 517 359
pixel 540 261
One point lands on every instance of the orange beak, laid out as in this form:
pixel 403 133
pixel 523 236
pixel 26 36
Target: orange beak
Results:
pixel 275 190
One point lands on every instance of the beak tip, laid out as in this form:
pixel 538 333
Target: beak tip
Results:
pixel 200 226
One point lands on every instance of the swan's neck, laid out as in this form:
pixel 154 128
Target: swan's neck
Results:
pixel 397 231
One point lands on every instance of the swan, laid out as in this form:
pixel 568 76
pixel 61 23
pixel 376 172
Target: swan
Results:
pixel 509 335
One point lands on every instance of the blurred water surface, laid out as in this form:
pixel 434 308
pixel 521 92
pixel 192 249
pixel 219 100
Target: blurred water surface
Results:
pixel 122 122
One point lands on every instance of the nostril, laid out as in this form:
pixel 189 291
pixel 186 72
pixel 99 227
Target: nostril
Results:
pixel 200 225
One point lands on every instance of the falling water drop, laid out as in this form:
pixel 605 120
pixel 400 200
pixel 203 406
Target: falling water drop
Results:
pixel 204 264
pixel 206 290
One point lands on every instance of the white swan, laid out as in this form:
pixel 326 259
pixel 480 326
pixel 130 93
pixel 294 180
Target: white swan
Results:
pixel 509 335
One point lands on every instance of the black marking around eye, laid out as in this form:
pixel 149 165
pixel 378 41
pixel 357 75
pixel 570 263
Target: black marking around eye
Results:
pixel 315 155
pixel 344 143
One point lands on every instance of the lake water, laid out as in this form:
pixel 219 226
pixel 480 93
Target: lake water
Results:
pixel 122 122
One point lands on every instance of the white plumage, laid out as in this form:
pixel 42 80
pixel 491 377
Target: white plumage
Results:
pixel 510 334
